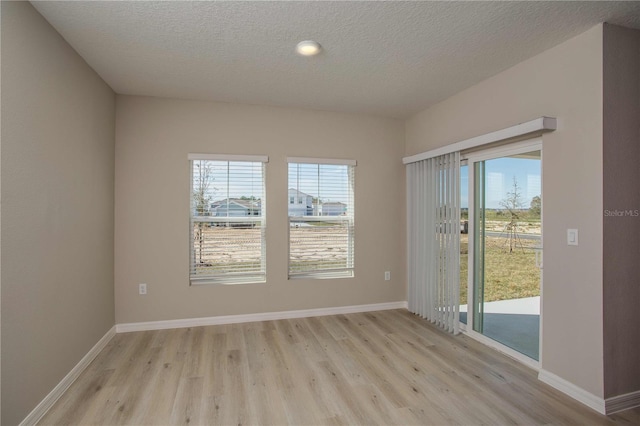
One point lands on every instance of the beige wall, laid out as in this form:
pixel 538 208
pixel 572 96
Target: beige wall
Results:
pixel 563 82
pixel 57 209
pixel 153 138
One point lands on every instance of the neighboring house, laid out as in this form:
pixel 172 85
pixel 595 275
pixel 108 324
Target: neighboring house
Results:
pixel 334 209
pixel 235 207
pixel 300 204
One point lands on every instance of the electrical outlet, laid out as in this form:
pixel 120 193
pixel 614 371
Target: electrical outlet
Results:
pixel 387 275
pixel 142 288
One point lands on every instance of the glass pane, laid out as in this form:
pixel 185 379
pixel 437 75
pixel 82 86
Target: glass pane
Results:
pixel 320 190
pixel 233 247
pixel 319 245
pixel 464 240
pixel 227 236
pixel 321 219
pixel 507 238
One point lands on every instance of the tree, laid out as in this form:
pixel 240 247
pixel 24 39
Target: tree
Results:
pixel 513 204
pixel 513 201
pixel 201 197
pixel 535 207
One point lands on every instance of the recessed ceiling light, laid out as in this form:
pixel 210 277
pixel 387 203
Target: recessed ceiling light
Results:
pixel 308 48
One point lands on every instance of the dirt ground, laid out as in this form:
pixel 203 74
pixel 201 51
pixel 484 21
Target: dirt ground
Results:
pixel 507 274
pixel 235 248
pixel 522 227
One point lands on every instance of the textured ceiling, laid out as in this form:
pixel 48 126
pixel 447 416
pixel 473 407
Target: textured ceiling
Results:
pixel 385 58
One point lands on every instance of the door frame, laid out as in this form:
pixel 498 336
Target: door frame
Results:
pixel 469 159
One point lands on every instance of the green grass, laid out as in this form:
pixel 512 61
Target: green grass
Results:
pixel 508 275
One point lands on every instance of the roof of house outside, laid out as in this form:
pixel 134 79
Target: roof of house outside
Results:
pixel 248 204
pixel 299 192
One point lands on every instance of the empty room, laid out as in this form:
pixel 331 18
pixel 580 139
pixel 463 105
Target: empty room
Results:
pixel 319 212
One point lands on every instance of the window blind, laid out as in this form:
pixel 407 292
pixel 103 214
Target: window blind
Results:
pixel 227 223
pixel 321 219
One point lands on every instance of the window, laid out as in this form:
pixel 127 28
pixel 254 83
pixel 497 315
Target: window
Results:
pixel 227 219
pixel 321 230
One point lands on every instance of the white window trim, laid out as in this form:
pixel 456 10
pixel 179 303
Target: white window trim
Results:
pixel 229 157
pixel 330 161
pixel 328 274
pixel 230 279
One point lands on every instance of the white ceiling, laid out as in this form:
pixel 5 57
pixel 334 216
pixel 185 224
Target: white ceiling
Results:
pixel 384 58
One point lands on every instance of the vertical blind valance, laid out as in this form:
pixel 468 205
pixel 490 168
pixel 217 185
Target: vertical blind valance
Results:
pixel 433 208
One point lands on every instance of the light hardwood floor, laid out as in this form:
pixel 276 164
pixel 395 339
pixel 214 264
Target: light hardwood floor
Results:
pixel 387 367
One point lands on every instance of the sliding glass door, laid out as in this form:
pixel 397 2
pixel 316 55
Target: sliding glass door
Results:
pixel 504 246
pixel 464 240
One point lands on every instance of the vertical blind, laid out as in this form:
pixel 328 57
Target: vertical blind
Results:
pixel 433 237
pixel 321 218
pixel 227 220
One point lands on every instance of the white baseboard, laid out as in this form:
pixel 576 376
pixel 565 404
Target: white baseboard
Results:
pixel 622 402
pixel 44 406
pixel 575 392
pixel 266 316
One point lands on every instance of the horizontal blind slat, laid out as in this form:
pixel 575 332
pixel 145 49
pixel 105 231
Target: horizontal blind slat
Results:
pixel 321 219
pixel 227 221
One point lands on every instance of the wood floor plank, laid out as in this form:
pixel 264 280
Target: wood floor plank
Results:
pixel 284 327
pixel 349 366
pixel 165 392
pixel 215 359
pixel 340 395
pixel 136 395
pixel 307 390
pixel 389 367
pixel 188 402
pixel 235 406
pixel 379 409
pixel 73 406
pixel 97 414
pixel 196 350
pixel 235 338
pixel 267 405
pixel 397 394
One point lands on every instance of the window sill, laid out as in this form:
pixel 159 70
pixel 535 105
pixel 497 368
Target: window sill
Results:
pixel 203 281
pixel 322 275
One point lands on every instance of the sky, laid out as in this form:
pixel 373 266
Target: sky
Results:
pixel 235 179
pixel 499 175
pixel 246 180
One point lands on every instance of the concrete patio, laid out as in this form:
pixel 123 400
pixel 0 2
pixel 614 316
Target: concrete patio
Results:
pixel 514 323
